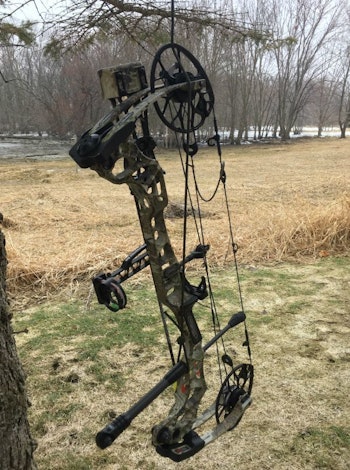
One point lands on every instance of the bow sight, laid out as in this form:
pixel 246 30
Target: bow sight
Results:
pixel 122 81
pixel 183 98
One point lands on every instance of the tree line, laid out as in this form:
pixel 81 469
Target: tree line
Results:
pixel 295 73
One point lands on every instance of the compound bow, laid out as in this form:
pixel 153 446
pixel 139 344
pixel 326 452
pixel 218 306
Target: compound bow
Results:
pixel 183 99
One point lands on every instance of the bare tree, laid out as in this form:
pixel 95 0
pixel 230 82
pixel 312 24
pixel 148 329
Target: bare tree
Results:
pixel 344 100
pixel 247 76
pixel 139 20
pixel 310 25
pixel 16 444
pixel 270 77
pixel 325 96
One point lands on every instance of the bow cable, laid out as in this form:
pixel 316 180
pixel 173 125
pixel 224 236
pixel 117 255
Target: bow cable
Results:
pixel 190 150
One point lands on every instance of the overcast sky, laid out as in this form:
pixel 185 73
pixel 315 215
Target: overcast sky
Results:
pixel 32 9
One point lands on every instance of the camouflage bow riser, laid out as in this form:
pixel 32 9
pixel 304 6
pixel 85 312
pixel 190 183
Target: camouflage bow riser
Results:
pixel 145 179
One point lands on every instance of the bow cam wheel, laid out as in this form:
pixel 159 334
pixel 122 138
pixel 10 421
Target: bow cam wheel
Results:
pixel 186 108
pixel 239 382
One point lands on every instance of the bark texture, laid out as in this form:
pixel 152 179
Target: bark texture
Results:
pixel 16 444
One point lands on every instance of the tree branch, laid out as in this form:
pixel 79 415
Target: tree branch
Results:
pixel 87 18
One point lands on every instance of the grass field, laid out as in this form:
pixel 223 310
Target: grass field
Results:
pixel 291 213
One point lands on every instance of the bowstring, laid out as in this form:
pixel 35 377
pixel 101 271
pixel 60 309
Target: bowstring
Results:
pixel 198 222
pixel 234 246
pixel 164 314
pixel 213 308
pixel 200 233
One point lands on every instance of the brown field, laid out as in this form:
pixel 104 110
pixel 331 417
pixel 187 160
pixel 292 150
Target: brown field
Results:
pixel 287 201
pixel 290 207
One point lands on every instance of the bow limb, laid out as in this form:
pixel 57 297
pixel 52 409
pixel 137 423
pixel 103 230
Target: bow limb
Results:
pixel 99 145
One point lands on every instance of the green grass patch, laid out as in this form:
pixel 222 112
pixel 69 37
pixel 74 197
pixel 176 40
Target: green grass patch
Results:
pixel 85 366
pixel 320 445
pixel 97 328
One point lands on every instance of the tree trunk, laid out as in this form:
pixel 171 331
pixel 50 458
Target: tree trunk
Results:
pixel 16 444
pixel 342 126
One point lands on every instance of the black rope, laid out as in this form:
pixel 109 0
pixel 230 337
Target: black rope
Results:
pixel 197 217
pixel 200 234
pixel 213 308
pixel 172 27
pixel 198 221
pixel 234 251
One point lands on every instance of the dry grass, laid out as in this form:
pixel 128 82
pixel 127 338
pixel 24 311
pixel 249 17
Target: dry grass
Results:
pixel 62 224
pixel 302 229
